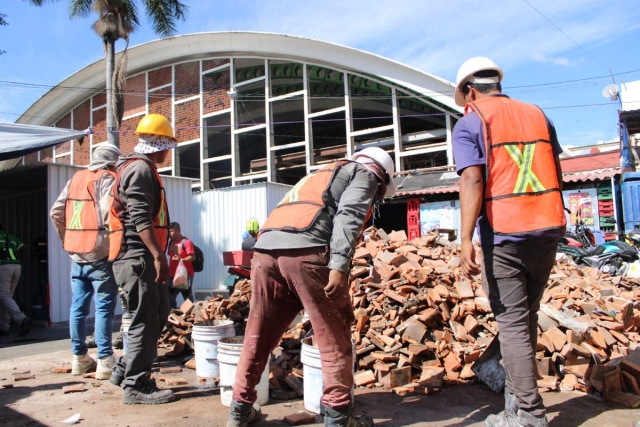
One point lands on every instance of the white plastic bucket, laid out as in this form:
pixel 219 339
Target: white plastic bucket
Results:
pixel 313 382
pixel 229 350
pixel 126 323
pixel 205 342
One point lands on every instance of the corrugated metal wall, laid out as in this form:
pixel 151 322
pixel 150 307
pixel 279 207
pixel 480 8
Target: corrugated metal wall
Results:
pixel 221 216
pixel 178 198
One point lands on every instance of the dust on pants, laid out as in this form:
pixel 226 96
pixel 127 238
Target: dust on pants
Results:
pixel 284 282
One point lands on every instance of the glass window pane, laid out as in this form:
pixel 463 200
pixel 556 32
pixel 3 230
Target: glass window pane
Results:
pixel 291 165
pixel 252 149
pixel 370 103
pixel 329 137
pixel 217 136
pixel 419 120
pixel 250 107
pixel 287 118
pixel 218 174
pixel 326 88
pixel 247 69
pixel 188 158
pixel 427 160
pixel 286 77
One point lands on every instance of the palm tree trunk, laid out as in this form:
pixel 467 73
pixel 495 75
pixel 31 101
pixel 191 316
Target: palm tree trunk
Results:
pixel 112 132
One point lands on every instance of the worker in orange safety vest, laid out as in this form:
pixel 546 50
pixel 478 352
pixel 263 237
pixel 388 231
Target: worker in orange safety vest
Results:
pixel 80 216
pixel 507 155
pixel 139 230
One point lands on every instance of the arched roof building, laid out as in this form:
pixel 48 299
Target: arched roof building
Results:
pixel 253 107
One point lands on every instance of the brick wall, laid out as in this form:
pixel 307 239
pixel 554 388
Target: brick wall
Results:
pixel 100 125
pixel 135 95
pixel 214 91
pixel 187 80
pixel 187 121
pixel 159 77
pixel 81 121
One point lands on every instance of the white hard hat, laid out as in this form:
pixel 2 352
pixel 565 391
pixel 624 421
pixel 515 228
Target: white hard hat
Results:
pixel 469 68
pixel 382 158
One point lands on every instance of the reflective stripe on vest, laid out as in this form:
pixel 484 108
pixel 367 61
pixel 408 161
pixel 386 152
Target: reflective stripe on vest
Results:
pixel 300 207
pixel 81 212
pixel 116 229
pixel 522 194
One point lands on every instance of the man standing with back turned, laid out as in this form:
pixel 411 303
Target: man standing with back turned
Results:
pixel 81 218
pixel 302 260
pixel 507 156
pixel 139 236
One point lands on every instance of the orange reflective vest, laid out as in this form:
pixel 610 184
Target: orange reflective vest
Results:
pixel 300 207
pixel 82 216
pixel 160 222
pixel 522 193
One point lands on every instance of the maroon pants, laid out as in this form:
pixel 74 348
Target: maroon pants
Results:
pixel 283 283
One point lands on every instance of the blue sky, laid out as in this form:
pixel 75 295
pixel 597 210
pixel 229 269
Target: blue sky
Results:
pixel 44 46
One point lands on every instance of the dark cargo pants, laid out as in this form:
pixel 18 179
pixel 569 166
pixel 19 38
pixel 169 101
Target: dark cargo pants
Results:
pixel 283 283
pixel 148 307
pixel 514 278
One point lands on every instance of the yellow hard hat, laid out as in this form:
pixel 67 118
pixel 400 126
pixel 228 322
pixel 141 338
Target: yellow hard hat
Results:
pixel 155 124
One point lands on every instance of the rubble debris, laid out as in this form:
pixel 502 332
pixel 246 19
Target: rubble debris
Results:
pixel 65 370
pixel 23 376
pixel 300 418
pixel 76 388
pixel 419 321
pixel 176 335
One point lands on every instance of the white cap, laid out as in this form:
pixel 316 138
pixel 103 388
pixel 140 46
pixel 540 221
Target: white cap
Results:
pixel 469 68
pixel 382 158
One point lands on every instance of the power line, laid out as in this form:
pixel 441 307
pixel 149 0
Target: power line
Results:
pixel 567 35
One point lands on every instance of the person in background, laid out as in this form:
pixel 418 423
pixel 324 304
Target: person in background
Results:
pixel 139 224
pixel 301 261
pixel 80 216
pixel 507 156
pixel 252 229
pixel 180 249
pixel 10 269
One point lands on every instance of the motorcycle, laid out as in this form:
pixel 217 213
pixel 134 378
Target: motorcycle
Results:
pixel 610 257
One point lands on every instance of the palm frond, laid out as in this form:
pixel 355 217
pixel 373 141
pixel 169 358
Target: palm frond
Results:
pixel 164 15
pixel 80 8
pixel 40 2
pixel 129 14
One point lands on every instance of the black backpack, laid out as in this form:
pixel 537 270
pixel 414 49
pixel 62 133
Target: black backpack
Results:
pixel 198 263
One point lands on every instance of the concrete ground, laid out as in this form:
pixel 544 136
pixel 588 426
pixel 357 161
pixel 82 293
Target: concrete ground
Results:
pixel 41 402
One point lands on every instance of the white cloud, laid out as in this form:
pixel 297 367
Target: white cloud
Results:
pixel 557 60
pixel 438 36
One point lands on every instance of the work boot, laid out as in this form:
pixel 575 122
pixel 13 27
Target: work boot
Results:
pixel 82 364
pixel 147 394
pixel 105 367
pixel 510 402
pixel 516 419
pixel 344 417
pixel 118 341
pixel 243 414
pixel 25 326
pixel 117 376
pixel 91 341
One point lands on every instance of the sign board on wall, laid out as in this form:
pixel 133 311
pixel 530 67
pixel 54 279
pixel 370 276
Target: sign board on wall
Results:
pixel 584 202
pixel 439 215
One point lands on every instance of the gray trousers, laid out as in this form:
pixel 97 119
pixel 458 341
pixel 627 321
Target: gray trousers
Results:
pixel 148 307
pixel 9 310
pixel 514 278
